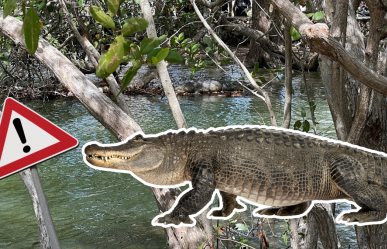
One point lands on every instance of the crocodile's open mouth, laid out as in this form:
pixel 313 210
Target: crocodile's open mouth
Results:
pixel 106 158
pixel 109 157
pixel 127 157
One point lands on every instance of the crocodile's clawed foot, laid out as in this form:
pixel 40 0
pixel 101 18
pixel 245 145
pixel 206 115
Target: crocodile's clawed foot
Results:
pixel 363 216
pixel 171 219
pixel 225 212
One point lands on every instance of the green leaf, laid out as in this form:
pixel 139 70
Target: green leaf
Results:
pixel 195 48
pixel 285 238
pixel 161 55
pixel 256 70
pixel 310 15
pixel 148 44
pixel 306 126
pixel 297 125
pixel 185 42
pixel 9 7
pixel 294 34
pixel 241 227
pixel 129 75
pixel 318 16
pixel 113 6
pixel 80 3
pixel 180 37
pixel 134 51
pixel 174 57
pixel 31 30
pixel 110 60
pixel 101 17
pixel 133 25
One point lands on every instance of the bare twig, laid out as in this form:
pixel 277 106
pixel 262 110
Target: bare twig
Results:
pixel 66 41
pixel 259 90
pixel 288 76
pixel 162 69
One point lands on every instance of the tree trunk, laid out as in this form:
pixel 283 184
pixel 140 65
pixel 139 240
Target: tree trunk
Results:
pixel 354 120
pixel 374 134
pixel 259 21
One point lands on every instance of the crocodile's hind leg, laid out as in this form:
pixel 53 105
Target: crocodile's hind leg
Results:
pixel 285 211
pixel 229 205
pixel 193 201
pixel 351 177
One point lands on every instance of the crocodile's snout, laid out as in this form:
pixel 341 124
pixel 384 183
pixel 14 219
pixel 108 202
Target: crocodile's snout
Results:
pixel 96 154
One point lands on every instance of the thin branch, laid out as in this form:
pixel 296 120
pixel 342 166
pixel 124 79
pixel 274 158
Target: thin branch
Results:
pixel 94 56
pixel 162 69
pixel 262 92
pixel 288 76
pixel 66 41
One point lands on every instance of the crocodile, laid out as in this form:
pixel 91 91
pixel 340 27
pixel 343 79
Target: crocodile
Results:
pixel 285 170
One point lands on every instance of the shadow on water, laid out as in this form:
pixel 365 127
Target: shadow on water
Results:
pixel 93 209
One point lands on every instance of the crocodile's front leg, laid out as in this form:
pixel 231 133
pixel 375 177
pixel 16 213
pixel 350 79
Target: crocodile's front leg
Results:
pixel 351 177
pixel 203 186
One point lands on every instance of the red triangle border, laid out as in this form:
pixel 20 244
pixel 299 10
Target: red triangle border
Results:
pixel 66 141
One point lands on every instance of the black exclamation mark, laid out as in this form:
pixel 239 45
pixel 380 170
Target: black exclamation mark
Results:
pixel 19 129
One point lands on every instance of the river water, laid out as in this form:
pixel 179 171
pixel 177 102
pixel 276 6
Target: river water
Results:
pixel 93 209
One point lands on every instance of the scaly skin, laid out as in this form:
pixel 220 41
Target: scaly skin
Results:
pixel 265 165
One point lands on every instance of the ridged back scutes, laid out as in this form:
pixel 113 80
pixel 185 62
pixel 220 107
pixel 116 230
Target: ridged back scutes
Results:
pixel 264 134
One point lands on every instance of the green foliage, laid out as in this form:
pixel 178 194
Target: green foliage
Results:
pixel 110 60
pixel 130 73
pixel 242 227
pixel 9 7
pixel 294 34
pixel 303 125
pixel 113 6
pixel 191 51
pixel 31 30
pixel 317 16
pixel 255 70
pixel 161 54
pixel 133 25
pixel 285 237
pixel 174 57
pixel 147 45
pixel 101 17
pixel 80 3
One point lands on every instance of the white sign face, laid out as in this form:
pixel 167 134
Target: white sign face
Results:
pixel 35 138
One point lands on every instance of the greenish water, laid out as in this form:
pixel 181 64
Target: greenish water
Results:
pixel 93 209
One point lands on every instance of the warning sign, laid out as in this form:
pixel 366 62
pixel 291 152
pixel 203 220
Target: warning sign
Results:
pixel 26 138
